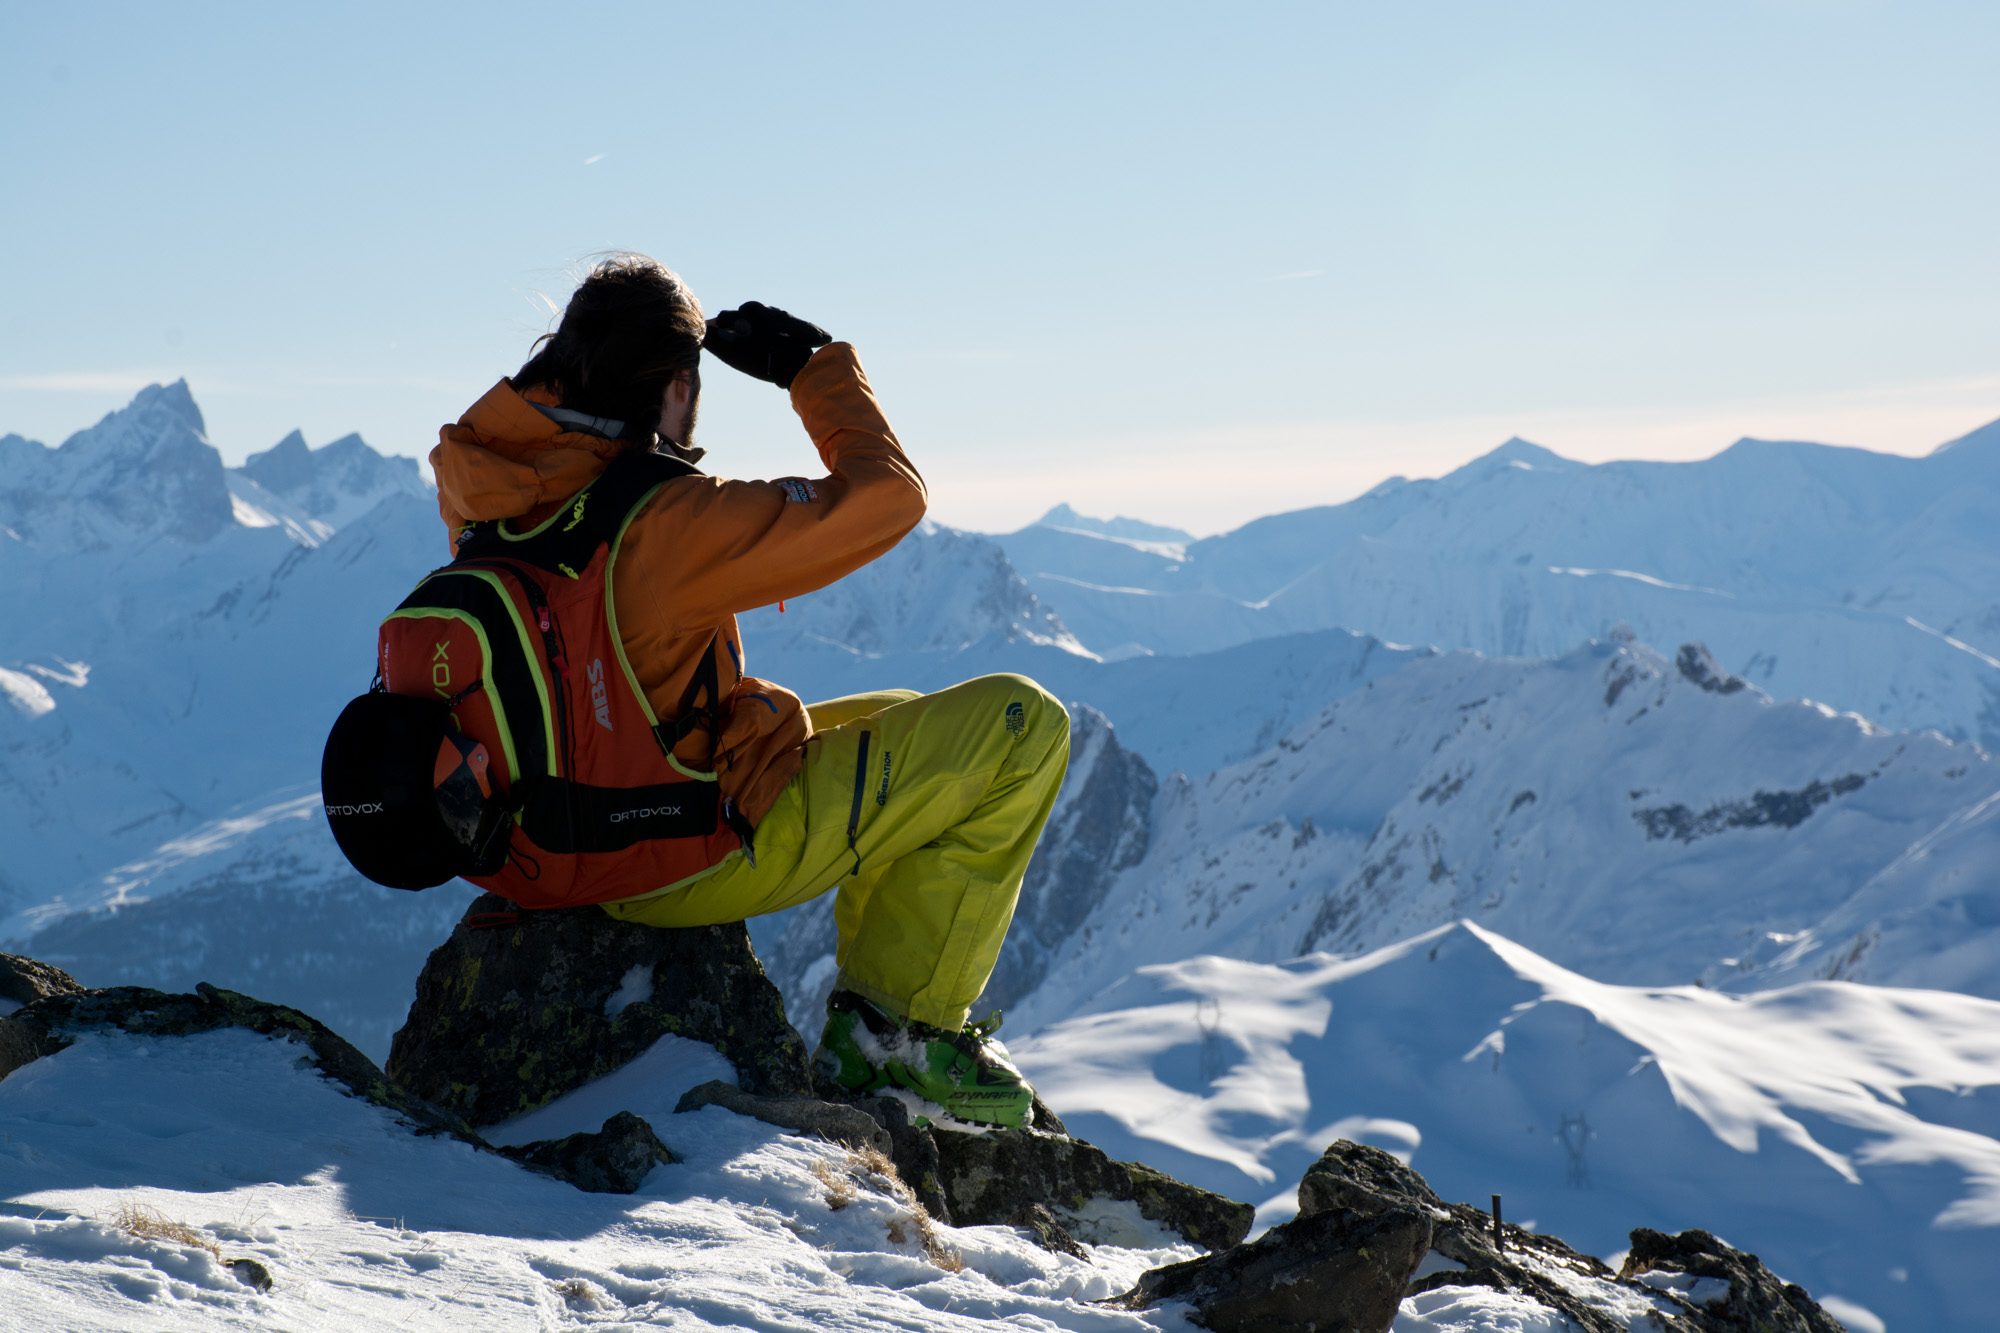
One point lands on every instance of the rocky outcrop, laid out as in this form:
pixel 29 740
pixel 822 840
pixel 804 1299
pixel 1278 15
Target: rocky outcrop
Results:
pixel 848 1125
pixel 1695 1282
pixel 51 1024
pixel 1698 666
pixel 1334 1272
pixel 1761 809
pixel 1355 1178
pixel 1726 1290
pixel 1046 1182
pixel 614 1160
pixel 516 1009
pixel 24 981
pixel 993 1177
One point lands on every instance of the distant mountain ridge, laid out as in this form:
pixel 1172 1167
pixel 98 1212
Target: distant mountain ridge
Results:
pixel 1129 529
pixel 1867 581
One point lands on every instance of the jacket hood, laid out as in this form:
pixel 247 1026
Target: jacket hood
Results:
pixel 504 459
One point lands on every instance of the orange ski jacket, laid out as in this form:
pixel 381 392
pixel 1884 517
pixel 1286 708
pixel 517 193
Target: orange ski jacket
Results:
pixel 705 548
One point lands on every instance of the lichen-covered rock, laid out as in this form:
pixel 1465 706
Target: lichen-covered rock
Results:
pixel 1046 1231
pixel 250 1273
pixel 50 1024
pixel 509 1017
pixel 832 1121
pixel 1756 1298
pixel 1334 1272
pixel 25 980
pixel 614 1160
pixel 990 1177
pixel 1367 1180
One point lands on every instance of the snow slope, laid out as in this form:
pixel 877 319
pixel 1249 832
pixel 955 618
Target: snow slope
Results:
pixel 1640 819
pixel 1849 1135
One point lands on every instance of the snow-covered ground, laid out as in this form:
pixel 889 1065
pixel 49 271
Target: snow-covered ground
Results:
pixel 1849 1135
pixel 363 1224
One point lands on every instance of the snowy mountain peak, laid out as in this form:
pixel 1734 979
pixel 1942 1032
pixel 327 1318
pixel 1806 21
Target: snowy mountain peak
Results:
pixel 146 470
pixel 1516 454
pixel 334 484
pixel 1130 529
pixel 287 455
pixel 160 417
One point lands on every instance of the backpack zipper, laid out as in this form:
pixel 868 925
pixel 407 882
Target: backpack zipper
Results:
pixel 538 607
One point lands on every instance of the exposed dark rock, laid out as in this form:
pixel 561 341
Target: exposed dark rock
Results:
pixel 1777 809
pixel 1757 1298
pixel 990 1177
pixel 1699 666
pixel 49 1025
pixel 833 1121
pixel 614 1160
pixel 1367 1181
pixel 913 1148
pixel 250 1273
pixel 1618 679
pixel 511 1016
pixel 1042 1226
pixel 1333 1272
pixel 24 980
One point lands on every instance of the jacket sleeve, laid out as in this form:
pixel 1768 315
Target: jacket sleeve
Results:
pixel 736 545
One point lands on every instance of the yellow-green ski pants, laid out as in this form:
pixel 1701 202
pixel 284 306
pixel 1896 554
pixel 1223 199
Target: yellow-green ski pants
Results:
pixel 923 809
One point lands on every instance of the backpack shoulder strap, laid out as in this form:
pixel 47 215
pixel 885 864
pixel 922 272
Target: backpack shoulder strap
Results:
pixel 565 542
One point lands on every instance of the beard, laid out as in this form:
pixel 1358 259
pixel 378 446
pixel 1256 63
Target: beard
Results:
pixel 686 441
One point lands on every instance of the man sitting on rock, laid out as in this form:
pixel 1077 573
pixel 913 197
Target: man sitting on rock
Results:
pixel 922 809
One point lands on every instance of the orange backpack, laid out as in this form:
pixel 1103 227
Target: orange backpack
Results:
pixel 506 740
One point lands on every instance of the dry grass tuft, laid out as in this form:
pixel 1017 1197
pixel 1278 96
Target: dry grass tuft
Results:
pixel 870 1168
pixel 839 1188
pixel 137 1220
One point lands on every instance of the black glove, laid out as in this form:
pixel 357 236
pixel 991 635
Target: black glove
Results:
pixel 764 342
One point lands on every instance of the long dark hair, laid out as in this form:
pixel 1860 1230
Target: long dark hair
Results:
pixel 628 329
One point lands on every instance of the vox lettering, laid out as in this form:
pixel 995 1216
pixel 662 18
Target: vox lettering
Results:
pixel 645 812
pixel 441 669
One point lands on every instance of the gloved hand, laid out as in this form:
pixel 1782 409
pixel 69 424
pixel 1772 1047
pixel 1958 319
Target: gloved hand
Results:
pixel 764 342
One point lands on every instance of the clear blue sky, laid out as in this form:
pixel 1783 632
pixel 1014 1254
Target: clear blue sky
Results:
pixel 1193 263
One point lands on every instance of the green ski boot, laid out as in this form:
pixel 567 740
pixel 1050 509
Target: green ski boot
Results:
pixel 966 1074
